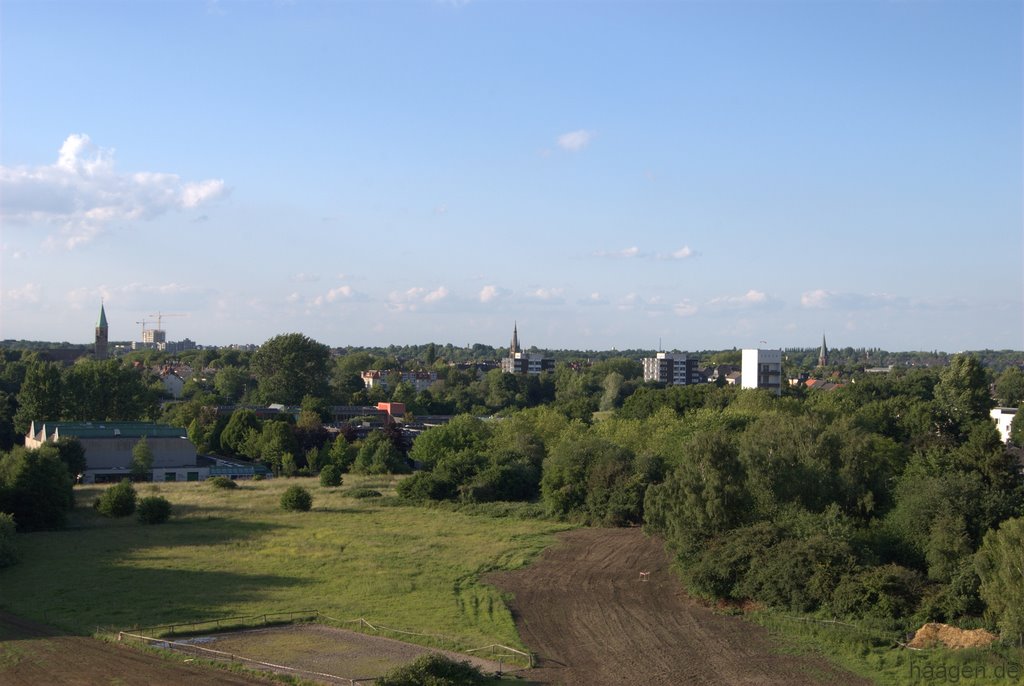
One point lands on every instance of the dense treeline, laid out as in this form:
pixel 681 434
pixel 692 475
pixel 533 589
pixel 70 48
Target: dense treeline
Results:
pixel 890 497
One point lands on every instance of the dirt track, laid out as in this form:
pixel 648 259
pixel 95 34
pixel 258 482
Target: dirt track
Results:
pixel 33 654
pixel 583 609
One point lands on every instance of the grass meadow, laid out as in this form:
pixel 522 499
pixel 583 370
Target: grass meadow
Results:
pixel 229 553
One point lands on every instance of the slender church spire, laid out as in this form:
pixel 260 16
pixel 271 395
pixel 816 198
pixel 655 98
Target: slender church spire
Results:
pixel 101 335
pixel 514 347
pixel 823 353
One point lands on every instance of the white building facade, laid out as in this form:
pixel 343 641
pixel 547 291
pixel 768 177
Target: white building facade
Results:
pixel 762 369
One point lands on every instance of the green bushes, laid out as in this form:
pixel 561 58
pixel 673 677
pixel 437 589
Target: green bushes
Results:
pixel 221 482
pixel 154 510
pixel 8 549
pixel 117 501
pixel 330 476
pixel 433 670
pixel 296 499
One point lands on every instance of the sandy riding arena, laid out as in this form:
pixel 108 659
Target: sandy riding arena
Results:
pixel 584 610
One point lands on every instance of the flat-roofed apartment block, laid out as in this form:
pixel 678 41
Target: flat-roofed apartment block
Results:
pixel 673 369
pixel 762 369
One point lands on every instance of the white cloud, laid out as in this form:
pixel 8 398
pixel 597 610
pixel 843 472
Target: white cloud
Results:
pixel 684 309
pixel 492 293
pixel 340 293
pixel 303 277
pixel 29 293
pixel 594 298
pixel 82 193
pixel 412 298
pixel 546 293
pixel 822 299
pixel 681 254
pixel 748 299
pixel 625 253
pixel 574 141
pixel 815 299
pixel 436 295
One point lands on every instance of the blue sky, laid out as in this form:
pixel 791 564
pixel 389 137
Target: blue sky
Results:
pixel 608 174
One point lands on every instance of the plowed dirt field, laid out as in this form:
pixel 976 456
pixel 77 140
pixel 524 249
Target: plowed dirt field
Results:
pixel 582 607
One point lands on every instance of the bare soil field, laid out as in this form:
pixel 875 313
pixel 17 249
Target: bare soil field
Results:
pixel 583 609
pixel 33 654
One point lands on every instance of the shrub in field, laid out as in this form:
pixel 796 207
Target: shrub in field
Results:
pixel 221 482
pixel 296 498
pixel 426 486
pixel 8 551
pixel 117 501
pixel 257 477
pixel 433 670
pixel 330 476
pixel 154 510
pixel 364 493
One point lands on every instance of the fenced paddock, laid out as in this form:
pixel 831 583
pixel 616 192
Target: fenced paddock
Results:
pixel 315 647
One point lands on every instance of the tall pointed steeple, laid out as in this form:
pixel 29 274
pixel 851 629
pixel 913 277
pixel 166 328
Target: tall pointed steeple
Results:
pixel 823 353
pixel 514 347
pixel 101 335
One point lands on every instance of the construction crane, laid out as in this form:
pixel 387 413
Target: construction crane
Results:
pixel 160 318
pixel 144 322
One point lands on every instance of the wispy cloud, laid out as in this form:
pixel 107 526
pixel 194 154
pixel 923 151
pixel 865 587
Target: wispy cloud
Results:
pixel 634 252
pixel 411 299
pixel 574 141
pixel 625 253
pixel 684 308
pixel 82 193
pixel 335 294
pixel 29 293
pixel 492 293
pixel 822 299
pixel 682 253
pixel 548 294
pixel 751 298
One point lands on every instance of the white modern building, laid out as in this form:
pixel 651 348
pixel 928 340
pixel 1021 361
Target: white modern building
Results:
pixel 762 369
pixel 673 369
pixel 1003 417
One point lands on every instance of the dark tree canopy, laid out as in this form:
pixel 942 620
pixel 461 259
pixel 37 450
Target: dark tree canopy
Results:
pixel 289 367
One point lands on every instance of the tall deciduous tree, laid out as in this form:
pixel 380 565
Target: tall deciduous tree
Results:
pixel 1010 387
pixel 40 397
pixel 962 392
pixel 289 367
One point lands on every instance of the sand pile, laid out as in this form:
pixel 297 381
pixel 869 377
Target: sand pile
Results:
pixel 932 635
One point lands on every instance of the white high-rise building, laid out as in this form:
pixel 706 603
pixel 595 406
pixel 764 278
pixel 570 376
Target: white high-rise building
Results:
pixel 762 369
